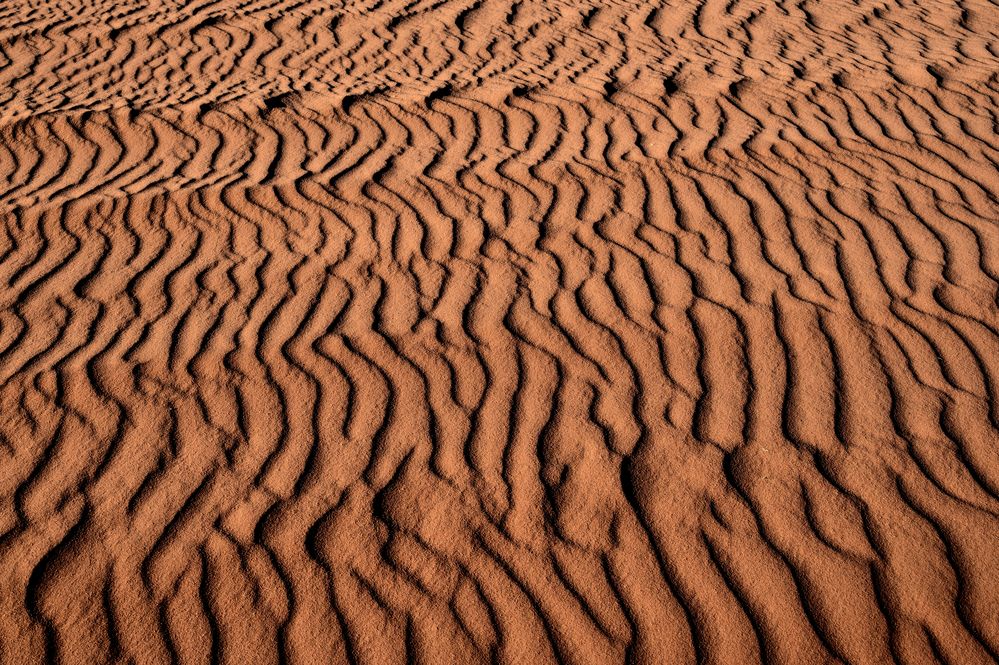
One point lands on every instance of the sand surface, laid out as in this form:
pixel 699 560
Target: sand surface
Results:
pixel 499 331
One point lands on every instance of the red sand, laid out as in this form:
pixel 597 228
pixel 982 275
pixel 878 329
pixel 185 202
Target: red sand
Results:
pixel 488 331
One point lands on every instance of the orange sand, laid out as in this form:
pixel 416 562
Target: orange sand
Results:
pixel 499 331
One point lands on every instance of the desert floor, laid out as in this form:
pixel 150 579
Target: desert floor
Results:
pixel 500 331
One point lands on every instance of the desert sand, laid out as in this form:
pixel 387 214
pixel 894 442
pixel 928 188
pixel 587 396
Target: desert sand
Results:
pixel 499 331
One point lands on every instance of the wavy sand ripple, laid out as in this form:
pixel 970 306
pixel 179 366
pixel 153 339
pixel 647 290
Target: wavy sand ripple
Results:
pixel 494 331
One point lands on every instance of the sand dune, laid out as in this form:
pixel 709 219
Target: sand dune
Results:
pixel 454 331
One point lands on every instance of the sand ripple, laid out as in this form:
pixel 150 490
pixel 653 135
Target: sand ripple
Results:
pixel 504 332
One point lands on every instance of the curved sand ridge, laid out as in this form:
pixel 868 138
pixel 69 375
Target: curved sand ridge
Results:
pixel 499 332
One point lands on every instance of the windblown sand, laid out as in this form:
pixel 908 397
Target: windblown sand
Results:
pixel 459 331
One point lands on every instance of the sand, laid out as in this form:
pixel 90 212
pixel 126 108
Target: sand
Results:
pixel 451 331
